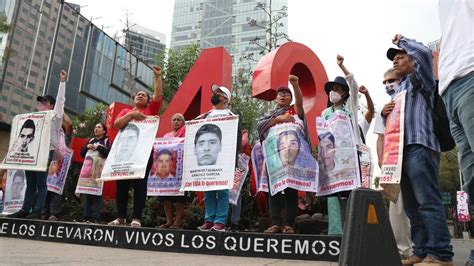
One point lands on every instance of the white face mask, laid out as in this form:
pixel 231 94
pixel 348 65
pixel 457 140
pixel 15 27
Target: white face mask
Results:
pixel 390 88
pixel 334 97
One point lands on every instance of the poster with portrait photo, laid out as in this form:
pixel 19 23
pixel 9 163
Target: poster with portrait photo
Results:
pixel 131 150
pixel 209 153
pixel 89 178
pixel 288 157
pixel 337 154
pixel 241 171
pixel 15 187
pixel 57 172
pixel 167 170
pixel 366 165
pixel 30 139
pixel 259 168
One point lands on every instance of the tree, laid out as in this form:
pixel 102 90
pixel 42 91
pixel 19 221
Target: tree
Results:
pixel 449 171
pixel 175 65
pixel 272 25
pixel 4 25
pixel 84 123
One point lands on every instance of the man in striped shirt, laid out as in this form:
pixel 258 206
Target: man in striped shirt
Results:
pixel 421 155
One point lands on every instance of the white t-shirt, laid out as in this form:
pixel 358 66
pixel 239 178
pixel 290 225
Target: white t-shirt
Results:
pixel 379 127
pixel 364 125
pixel 456 57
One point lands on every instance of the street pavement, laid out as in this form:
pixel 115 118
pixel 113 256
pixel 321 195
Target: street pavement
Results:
pixel 19 251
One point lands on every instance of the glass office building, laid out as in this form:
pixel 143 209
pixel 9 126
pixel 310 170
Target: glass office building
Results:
pixel 145 43
pixel 213 23
pixel 48 36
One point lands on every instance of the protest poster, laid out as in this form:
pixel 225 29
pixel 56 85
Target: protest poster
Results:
pixel 167 170
pixel 57 172
pixel 393 148
pixel 89 178
pixel 462 206
pixel 289 160
pixel 15 188
pixel 241 171
pixel 366 167
pixel 131 150
pixel 259 168
pixel 210 153
pixel 338 159
pixel 30 139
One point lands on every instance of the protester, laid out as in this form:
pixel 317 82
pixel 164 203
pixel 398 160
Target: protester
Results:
pixel 216 201
pixel 179 129
pixel 100 143
pixel 366 120
pixel 456 84
pixel 143 105
pixel 421 154
pixel 287 200
pixel 342 94
pixel 398 218
pixel 236 209
pixel 36 187
pixel 52 205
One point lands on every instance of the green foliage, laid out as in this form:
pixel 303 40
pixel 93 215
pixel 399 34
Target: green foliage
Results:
pixel 84 123
pixel 4 26
pixel 175 66
pixel 449 172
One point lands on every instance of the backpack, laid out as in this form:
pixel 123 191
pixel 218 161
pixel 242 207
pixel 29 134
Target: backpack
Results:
pixel 439 115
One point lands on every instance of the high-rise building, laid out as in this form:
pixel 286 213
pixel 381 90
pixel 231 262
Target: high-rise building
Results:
pixel 145 43
pixel 50 35
pixel 226 23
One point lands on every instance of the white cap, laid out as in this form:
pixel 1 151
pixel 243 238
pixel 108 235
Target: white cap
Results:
pixel 225 90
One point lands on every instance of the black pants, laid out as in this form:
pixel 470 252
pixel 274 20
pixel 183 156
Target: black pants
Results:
pixel 139 194
pixel 52 206
pixel 288 201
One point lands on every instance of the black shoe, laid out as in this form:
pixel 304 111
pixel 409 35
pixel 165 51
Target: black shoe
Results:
pixel 18 214
pixel 34 216
pixel 233 228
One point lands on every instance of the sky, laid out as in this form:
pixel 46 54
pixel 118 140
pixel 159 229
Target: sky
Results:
pixel 360 30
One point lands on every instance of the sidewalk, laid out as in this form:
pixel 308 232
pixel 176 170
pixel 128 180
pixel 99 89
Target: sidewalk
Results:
pixel 19 251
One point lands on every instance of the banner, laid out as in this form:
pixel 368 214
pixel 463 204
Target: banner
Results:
pixel 57 172
pixel 131 150
pixel 89 178
pixel 462 206
pixel 209 153
pixel 259 168
pixel 338 159
pixel 241 171
pixel 167 170
pixel 366 167
pixel 30 139
pixel 393 149
pixel 289 160
pixel 15 188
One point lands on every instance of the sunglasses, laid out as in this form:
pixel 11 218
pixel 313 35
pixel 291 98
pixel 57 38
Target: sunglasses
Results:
pixel 283 93
pixel 389 81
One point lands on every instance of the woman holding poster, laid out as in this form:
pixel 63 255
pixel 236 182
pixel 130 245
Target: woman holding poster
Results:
pixel 144 105
pixel 90 172
pixel 287 200
pixel 342 94
pixel 163 167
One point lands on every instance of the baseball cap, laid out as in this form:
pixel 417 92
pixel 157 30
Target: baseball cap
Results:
pixel 225 90
pixel 46 98
pixel 391 52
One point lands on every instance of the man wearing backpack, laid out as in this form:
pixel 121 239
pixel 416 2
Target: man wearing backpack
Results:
pixel 421 155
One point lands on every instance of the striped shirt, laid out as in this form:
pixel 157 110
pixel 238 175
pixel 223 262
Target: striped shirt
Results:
pixel 418 115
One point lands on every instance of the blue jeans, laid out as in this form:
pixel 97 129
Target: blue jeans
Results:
pixel 216 206
pixel 235 217
pixel 35 186
pixel 88 206
pixel 423 203
pixel 458 99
